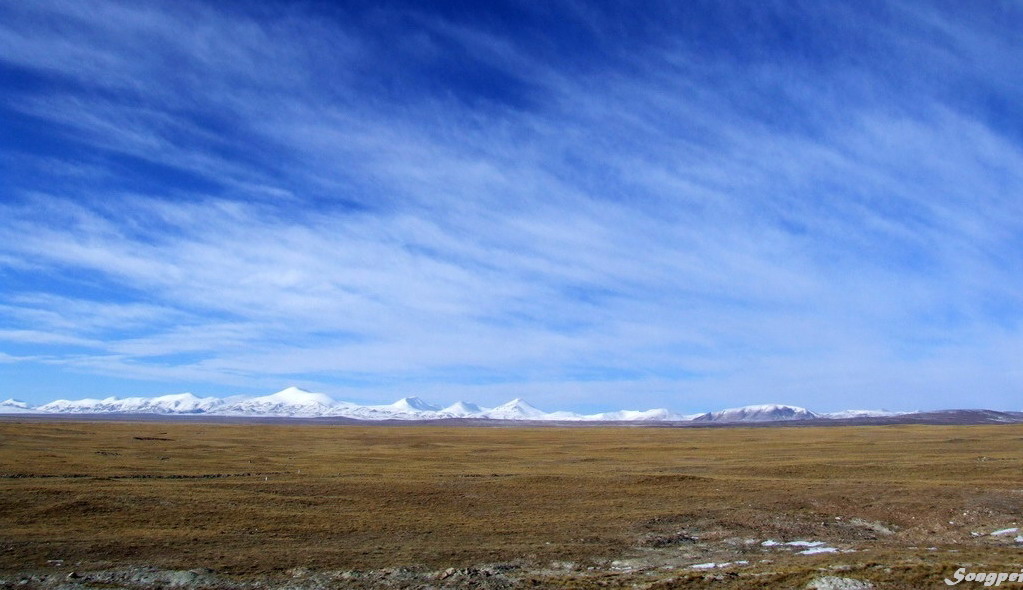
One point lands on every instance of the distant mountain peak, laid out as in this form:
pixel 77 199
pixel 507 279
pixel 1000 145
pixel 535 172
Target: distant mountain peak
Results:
pixel 758 413
pixel 517 403
pixel 413 403
pixel 516 409
pixel 297 395
pixel 462 409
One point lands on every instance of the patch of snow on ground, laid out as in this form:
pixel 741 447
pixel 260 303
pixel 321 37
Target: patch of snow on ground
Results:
pixel 811 547
pixel 1004 531
pixel 816 550
pixel 712 565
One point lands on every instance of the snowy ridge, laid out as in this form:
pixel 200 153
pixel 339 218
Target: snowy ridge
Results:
pixel 181 403
pixel 656 415
pixel 288 402
pixel 462 410
pixel 763 413
pixel 516 409
pixel 859 414
pixel 13 406
pixel 299 403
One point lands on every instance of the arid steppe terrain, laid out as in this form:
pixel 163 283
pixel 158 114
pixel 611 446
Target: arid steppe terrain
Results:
pixel 192 503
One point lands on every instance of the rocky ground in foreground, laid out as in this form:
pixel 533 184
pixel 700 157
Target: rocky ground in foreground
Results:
pixel 680 559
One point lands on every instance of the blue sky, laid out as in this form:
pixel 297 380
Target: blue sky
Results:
pixel 590 205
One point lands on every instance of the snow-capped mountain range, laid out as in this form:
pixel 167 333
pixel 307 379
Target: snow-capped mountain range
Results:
pixel 298 403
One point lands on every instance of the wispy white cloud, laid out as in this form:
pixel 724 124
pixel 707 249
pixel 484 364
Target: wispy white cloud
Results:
pixel 679 226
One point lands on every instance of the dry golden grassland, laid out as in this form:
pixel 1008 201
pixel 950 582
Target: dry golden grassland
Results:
pixel 262 499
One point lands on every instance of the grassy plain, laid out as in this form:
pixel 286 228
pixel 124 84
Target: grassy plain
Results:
pixel 904 502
